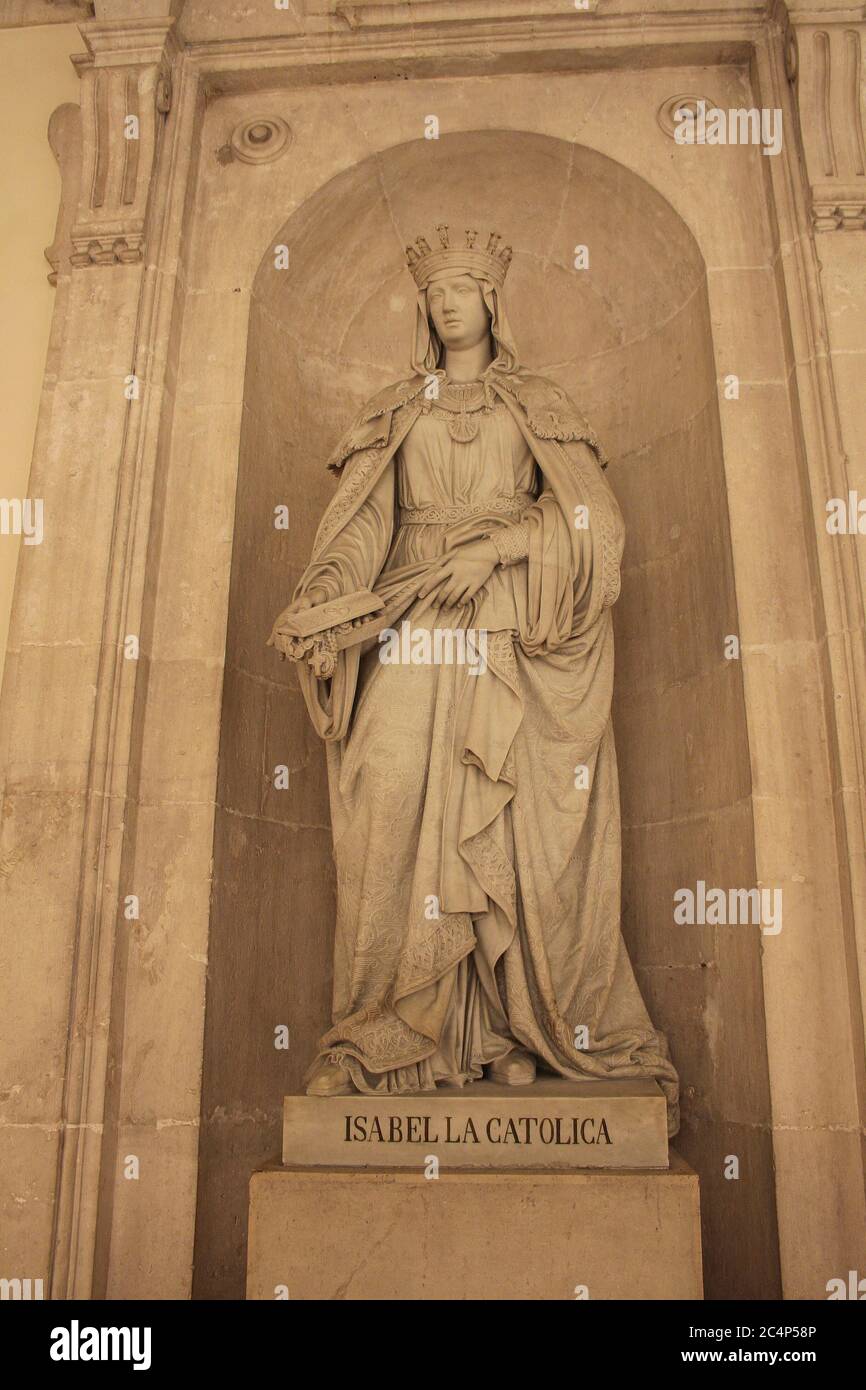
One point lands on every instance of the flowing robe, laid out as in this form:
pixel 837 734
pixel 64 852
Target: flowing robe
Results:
pixel 476 816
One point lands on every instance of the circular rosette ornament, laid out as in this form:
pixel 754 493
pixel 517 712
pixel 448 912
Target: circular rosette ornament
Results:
pixel 260 140
pixel 463 427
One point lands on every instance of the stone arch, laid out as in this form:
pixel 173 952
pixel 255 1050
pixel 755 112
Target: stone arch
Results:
pixel 630 339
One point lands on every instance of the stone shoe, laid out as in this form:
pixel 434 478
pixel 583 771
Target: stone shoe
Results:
pixel 330 1079
pixel 516 1068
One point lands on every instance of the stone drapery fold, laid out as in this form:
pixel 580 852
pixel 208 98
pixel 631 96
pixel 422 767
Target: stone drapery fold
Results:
pixel 478 874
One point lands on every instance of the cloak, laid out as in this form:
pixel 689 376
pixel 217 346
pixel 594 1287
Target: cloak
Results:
pixel 475 799
pixel 571 461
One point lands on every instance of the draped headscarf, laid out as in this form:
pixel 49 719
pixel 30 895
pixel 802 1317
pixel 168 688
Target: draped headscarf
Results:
pixel 427 350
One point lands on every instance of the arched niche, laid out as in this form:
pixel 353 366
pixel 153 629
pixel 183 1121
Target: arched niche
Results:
pixel 629 337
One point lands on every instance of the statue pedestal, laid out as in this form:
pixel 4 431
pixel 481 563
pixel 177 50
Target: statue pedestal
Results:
pixel 492 1192
pixel 394 1234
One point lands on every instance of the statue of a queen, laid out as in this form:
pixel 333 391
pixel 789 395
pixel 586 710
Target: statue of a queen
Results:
pixel 475 815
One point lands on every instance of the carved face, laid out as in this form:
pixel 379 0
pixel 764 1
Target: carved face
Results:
pixel 456 306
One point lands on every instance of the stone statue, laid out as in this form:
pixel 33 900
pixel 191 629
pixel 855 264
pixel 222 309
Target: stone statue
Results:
pixel 474 803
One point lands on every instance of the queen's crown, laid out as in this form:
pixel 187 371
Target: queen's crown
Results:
pixel 491 263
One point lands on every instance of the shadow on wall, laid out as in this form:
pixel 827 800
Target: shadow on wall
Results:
pixel 629 338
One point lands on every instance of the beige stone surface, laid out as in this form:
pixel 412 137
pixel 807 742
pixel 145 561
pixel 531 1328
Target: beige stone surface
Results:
pixel 37 78
pixel 705 261
pixel 28 1153
pixel 553 1124
pixel 164 1181
pixel 474 1236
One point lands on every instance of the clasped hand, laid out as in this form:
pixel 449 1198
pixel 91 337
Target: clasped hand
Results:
pixel 457 578
pixel 460 574
pixel 310 600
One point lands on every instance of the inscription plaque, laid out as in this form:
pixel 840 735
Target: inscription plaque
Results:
pixel 555 1124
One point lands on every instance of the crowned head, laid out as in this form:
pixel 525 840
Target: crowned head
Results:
pixel 460 298
pixel 489 263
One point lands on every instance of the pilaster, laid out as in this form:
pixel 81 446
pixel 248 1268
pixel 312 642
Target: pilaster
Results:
pixel 125 96
pixel 825 59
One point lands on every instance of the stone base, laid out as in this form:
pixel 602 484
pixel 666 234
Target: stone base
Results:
pixel 553 1124
pixel 376 1234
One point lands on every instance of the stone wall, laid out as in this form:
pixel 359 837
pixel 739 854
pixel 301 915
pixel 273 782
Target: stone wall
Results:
pixel 154 782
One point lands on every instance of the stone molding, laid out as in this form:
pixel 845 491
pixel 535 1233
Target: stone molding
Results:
pixel 21 14
pixel 395 16
pixel 347 29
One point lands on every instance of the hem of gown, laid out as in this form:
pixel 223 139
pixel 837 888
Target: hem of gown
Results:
pixel 343 1052
pixel 404 1086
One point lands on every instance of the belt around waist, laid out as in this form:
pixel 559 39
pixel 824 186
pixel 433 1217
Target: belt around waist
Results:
pixel 434 514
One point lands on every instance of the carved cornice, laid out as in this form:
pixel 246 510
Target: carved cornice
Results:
pixel 825 57
pixel 346 29
pixel 125 96
pixel 419 12
pixel 21 14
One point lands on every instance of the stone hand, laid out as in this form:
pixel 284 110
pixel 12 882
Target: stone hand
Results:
pixel 310 599
pixel 461 574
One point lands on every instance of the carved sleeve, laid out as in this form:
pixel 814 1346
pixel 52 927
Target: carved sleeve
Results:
pixel 511 542
pixel 352 556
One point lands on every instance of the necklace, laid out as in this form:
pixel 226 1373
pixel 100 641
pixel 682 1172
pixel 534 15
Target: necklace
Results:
pixel 460 404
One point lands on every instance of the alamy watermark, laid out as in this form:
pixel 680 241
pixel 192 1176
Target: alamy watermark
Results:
pixel 854 1287
pixel 22 516
pixel 24 1290
pixel 719 907
pixel 710 125
pixel 846 516
pixel 77 1343
pixel 438 646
